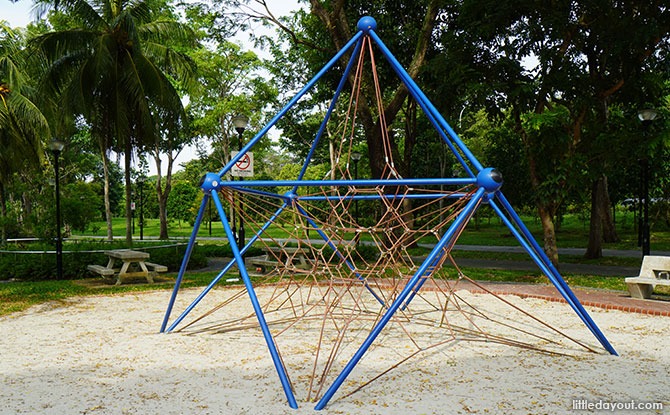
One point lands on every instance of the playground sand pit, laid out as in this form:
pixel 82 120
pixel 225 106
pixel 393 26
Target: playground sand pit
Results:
pixel 104 355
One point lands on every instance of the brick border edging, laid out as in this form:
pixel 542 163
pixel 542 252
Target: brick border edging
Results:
pixel 588 303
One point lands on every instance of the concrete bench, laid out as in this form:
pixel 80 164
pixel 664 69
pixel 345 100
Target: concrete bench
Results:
pixel 155 267
pixel 263 263
pixel 655 270
pixel 100 269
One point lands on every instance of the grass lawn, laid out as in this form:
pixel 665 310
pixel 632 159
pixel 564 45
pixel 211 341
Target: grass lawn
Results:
pixel 17 296
pixel 572 233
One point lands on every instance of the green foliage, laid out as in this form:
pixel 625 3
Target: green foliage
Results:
pixel 224 251
pixel 558 164
pixel 79 204
pixel 41 265
pixel 181 201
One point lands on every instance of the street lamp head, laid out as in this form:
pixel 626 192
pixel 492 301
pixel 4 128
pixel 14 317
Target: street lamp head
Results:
pixel 56 145
pixel 647 115
pixel 355 156
pixel 240 122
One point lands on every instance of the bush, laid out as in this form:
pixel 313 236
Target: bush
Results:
pixel 212 251
pixel 41 265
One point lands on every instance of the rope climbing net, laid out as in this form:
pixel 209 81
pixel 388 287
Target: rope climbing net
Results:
pixel 314 267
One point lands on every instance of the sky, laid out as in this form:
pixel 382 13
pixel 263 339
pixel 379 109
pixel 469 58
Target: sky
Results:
pixel 19 15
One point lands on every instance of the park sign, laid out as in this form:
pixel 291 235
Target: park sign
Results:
pixel 244 166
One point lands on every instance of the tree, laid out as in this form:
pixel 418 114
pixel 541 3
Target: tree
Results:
pixel 110 63
pixel 315 37
pixel 79 203
pixel 22 124
pixel 181 201
pixel 587 56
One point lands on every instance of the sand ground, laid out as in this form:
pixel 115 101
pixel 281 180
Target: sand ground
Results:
pixel 105 355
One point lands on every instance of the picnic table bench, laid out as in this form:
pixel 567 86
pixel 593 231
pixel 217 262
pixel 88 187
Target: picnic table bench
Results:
pixel 133 264
pixel 655 270
pixel 292 258
pixel 276 256
pixel 262 263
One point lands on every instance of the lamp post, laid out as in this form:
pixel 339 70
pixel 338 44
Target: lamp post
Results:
pixel 646 116
pixel 356 157
pixel 140 181
pixel 240 123
pixel 56 146
pixel 132 210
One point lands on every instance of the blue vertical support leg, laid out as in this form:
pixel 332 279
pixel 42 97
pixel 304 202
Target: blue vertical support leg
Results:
pixel 269 340
pixel 542 260
pixel 184 262
pixel 225 269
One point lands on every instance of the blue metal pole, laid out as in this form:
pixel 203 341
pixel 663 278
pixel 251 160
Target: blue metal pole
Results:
pixel 184 262
pixel 541 258
pixel 535 256
pixel 290 104
pixel 350 183
pixel 223 272
pixel 464 216
pixel 386 197
pixel 422 99
pixel 333 102
pixel 448 247
pixel 269 340
pixel 261 193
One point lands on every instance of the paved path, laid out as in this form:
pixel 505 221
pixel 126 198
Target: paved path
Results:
pixel 564 268
pixel 561 251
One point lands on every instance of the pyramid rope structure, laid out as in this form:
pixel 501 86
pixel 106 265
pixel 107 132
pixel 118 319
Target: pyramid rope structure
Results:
pixel 365 284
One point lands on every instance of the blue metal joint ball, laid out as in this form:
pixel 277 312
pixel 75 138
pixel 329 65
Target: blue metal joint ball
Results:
pixel 490 179
pixel 367 23
pixel 209 182
pixel 291 195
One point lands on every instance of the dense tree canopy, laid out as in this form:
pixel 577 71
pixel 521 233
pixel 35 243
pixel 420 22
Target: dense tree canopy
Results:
pixel 546 92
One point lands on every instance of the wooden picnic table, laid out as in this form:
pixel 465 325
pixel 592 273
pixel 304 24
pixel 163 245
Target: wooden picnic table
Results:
pixel 133 264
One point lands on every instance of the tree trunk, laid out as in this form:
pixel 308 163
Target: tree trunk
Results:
pixel 3 215
pixel 609 225
pixel 595 247
pixel 601 225
pixel 129 190
pixel 546 209
pixel 549 233
pixel 108 204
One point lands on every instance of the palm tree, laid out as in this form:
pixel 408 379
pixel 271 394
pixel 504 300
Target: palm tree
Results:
pixel 114 66
pixel 21 122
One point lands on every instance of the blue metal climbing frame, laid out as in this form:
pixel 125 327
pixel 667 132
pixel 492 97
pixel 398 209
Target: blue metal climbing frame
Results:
pixel 485 181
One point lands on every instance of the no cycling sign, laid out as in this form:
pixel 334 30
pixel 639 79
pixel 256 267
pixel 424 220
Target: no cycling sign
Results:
pixel 244 166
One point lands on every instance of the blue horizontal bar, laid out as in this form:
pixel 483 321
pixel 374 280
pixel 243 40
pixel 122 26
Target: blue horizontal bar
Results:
pixel 344 183
pixel 391 197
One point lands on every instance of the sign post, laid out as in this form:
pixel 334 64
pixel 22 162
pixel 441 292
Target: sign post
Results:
pixel 244 166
